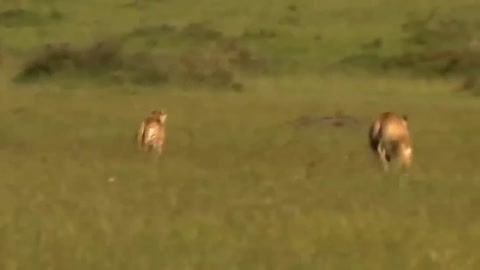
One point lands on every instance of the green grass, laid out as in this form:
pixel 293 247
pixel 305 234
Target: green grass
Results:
pixel 238 186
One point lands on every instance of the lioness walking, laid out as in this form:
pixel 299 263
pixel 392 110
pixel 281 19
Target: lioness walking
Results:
pixel 151 134
pixel 390 137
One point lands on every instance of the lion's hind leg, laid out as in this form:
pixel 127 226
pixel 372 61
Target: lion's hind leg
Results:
pixel 384 157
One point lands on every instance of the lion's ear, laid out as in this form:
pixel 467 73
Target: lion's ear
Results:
pixel 405 117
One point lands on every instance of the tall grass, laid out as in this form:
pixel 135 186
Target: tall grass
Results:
pixel 243 182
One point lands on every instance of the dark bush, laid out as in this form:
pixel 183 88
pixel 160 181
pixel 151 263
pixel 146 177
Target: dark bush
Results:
pixel 240 57
pixel 201 31
pixel 205 68
pixel 259 34
pixel 432 46
pixel 23 17
pixel 214 66
pixel 52 59
pixel 151 31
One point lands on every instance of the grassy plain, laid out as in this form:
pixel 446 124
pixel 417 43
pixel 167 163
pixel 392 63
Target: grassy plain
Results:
pixel 239 186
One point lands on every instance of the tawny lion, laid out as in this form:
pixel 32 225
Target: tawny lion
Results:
pixel 151 134
pixel 390 137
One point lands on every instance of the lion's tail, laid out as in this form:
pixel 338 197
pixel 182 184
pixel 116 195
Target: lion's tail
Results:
pixel 373 138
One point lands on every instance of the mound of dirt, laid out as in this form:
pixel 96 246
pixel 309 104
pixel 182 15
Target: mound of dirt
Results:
pixel 339 119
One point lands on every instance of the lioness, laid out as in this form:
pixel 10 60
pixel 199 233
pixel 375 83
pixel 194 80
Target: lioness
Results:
pixel 152 133
pixel 389 136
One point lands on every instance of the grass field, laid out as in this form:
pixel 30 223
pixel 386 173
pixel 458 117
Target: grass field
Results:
pixel 240 185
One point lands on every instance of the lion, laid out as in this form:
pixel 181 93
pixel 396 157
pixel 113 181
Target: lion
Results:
pixel 152 132
pixel 389 137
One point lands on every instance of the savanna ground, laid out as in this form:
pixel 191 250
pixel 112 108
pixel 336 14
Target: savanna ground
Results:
pixel 243 183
